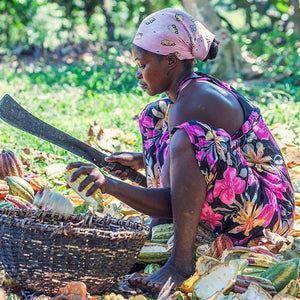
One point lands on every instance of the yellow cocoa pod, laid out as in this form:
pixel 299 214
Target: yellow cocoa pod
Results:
pixel 95 199
pixel 186 286
pixel 18 186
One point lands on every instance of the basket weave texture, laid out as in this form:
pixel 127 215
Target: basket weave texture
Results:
pixel 43 251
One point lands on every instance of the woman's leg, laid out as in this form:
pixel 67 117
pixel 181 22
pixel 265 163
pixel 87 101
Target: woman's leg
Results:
pixel 188 190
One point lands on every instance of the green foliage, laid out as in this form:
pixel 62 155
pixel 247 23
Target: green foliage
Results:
pixel 72 97
pixel 49 24
pixel 278 56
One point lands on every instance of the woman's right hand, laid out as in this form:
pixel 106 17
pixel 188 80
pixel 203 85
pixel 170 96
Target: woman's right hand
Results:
pixel 133 160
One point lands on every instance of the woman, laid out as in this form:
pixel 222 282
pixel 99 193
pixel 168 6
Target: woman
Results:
pixel 207 152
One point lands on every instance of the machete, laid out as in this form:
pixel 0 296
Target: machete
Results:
pixel 14 114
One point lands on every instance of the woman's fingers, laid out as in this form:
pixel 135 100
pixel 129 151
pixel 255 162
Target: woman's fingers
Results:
pixel 82 170
pixel 115 157
pixel 75 164
pixel 93 175
pixel 117 173
pixel 83 184
pixel 124 158
pixel 93 188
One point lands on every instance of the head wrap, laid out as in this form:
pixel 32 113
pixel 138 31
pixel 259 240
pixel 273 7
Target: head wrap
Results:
pixel 174 31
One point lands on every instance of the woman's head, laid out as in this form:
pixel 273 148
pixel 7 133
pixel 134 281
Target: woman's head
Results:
pixel 173 31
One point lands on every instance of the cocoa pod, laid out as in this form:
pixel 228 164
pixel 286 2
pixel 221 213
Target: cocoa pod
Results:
pixel 221 243
pixel 243 281
pixel 10 165
pixel 282 273
pixel 4 189
pixel 20 187
pixel 18 202
pixel 37 182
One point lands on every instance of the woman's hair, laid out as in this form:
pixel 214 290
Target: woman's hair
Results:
pixel 212 54
pixel 213 50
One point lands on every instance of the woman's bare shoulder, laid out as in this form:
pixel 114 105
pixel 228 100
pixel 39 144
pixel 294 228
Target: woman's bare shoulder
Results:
pixel 206 103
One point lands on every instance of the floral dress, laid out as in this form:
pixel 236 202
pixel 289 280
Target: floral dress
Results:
pixel 248 186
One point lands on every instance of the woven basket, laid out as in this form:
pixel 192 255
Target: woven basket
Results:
pixel 43 251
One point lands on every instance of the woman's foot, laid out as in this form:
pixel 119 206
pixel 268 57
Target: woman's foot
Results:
pixel 156 281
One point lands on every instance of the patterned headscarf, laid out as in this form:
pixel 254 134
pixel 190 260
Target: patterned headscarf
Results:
pixel 174 31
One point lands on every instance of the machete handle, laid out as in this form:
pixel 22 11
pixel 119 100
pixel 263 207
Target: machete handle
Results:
pixel 133 175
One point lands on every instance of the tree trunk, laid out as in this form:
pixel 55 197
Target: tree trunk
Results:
pixel 110 26
pixel 296 15
pixel 229 60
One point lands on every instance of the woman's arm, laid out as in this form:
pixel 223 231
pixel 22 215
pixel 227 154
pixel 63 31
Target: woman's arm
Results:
pixel 154 202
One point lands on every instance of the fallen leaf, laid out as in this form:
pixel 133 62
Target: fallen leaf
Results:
pixel 292 157
pixel 95 130
pixel 75 290
pixel 109 139
pixel 283 133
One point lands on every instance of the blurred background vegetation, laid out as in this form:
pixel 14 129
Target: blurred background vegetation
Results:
pixel 72 58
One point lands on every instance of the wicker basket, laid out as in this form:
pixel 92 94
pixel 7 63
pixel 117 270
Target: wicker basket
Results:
pixel 43 251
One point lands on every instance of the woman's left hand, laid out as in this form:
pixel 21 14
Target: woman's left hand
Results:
pixel 93 175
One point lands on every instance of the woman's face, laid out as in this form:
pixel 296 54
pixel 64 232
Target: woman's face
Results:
pixel 152 71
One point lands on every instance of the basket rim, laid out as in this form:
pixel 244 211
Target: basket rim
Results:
pixel 31 220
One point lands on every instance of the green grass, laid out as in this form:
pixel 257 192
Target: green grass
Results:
pixel 72 96
pixel 69 100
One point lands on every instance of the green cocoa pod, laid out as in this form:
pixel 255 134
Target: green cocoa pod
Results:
pixel 151 268
pixel 154 253
pixel 162 233
pixel 282 273
pixel 253 270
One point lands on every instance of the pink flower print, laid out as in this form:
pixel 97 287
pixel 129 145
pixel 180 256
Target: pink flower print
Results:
pixel 267 214
pixel 148 122
pixel 141 117
pixel 200 155
pixel 225 85
pixel 273 201
pixel 245 241
pixel 192 130
pixel 209 197
pixel 165 153
pixel 208 216
pixel 263 132
pixel 276 185
pixel 148 144
pixel 211 159
pixel 228 187
pixel 149 133
pixel 165 138
pixel 246 127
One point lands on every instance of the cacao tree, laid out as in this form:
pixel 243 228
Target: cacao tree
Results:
pixel 229 60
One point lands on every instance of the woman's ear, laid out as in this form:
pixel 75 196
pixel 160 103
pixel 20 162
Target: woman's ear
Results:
pixel 172 61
